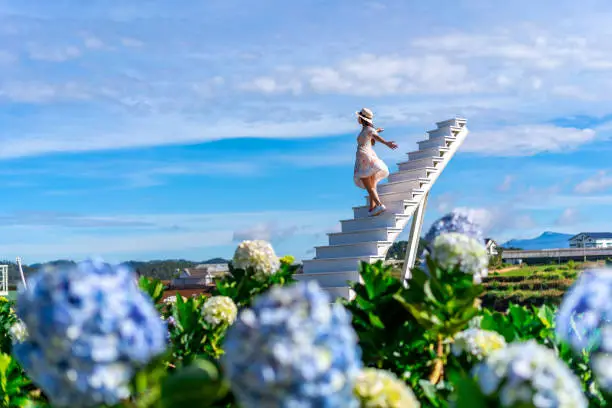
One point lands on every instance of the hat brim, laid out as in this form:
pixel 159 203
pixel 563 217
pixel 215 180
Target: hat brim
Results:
pixel 363 117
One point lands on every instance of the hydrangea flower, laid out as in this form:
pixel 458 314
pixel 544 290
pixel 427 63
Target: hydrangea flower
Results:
pixel 476 322
pixel 258 255
pixel 454 221
pixel 381 389
pixel 18 332
pixel 219 311
pixel 452 250
pixel 477 343
pixel 584 320
pixel 293 348
pixel 89 328
pixel 170 300
pixel 586 311
pixel 529 375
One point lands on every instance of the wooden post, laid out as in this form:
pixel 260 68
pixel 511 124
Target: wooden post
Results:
pixel 414 238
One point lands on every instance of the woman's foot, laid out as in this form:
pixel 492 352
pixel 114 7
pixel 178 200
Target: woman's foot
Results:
pixel 378 210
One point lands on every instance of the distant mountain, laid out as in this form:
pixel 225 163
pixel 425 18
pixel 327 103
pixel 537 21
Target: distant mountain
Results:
pixel 216 261
pixel 548 240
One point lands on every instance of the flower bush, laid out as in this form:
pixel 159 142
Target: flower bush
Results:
pixel 89 329
pixel 89 336
pixel 293 348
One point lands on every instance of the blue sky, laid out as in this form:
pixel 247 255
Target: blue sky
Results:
pixel 156 129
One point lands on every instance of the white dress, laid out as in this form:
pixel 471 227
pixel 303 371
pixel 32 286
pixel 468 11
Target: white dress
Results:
pixel 367 162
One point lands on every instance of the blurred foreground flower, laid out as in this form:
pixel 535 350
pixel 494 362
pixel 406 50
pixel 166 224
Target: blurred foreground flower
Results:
pixel 477 343
pixel 219 311
pixel 18 332
pixel 258 255
pixel 89 328
pixel 293 348
pixel 453 249
pixel 529 375
pixel 457 222
pixel 381 389
pixel 584 321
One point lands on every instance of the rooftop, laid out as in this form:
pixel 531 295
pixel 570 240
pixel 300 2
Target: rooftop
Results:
pixel 595 235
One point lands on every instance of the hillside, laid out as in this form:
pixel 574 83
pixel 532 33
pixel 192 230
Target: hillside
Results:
pixel 548 240
pixel 160 269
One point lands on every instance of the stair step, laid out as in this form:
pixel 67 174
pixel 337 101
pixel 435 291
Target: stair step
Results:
pixel 337 264
pixel 395 196
pixel 444 131
pixel 420 163
pixel 442 141
pixel 424 172
pixel 373 234
pixel 376 248
pixel 339 292
pixel 385 219
pixel 396 207
pixel 432 152
pixel 402 186
pixel 458 122
pixel 331 279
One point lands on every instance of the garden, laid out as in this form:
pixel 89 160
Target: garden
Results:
pixel 91 335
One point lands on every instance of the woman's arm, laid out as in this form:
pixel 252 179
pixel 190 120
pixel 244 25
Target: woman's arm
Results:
pixel 376 136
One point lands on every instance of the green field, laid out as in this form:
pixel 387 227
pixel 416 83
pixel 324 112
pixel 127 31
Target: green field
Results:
pixel 529 285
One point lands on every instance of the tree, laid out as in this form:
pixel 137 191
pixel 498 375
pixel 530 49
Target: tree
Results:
pixel 397 251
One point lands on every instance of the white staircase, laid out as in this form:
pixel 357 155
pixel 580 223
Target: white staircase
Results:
pixel 3 280
pixel 366 238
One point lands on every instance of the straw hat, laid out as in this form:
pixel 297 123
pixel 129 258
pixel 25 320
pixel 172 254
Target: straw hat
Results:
pixel 366 115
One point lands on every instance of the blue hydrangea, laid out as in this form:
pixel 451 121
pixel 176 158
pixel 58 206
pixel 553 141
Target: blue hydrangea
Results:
pixel 89 328
pixel 529 375
pixel 584 320
pixel 293 348
pixel 454 221
pixel 586 309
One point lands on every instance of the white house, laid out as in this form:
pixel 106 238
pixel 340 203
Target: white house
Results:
pixel 491 246
pixel 591 240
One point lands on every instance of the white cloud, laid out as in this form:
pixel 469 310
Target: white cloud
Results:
pixel 371 75
pixel 527 140
pixel 569 217
pixel 93 43
pixel 53 53
pixel 600 182
pixel 40 92
pixel 131 42
pixel 45 236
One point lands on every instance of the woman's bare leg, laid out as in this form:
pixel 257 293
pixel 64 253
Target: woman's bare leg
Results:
pixel 367 183
pixel 375 195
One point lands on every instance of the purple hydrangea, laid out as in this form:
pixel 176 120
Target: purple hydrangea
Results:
pixel 454 221
pixel 293 348
pixel 89 329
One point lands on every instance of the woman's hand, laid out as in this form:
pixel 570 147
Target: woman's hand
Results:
pixel 391 145
pixel 380 130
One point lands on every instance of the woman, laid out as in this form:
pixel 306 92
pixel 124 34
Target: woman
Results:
pixel 369 169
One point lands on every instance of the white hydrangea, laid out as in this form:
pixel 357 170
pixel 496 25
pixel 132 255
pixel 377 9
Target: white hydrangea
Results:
pixel 219 310
pixel 381 389
pixel 258 255
pixel 477 343
pixel 475 323
pixel 170 300
pixel 529 375
pixel 18 331
pixel 453 249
